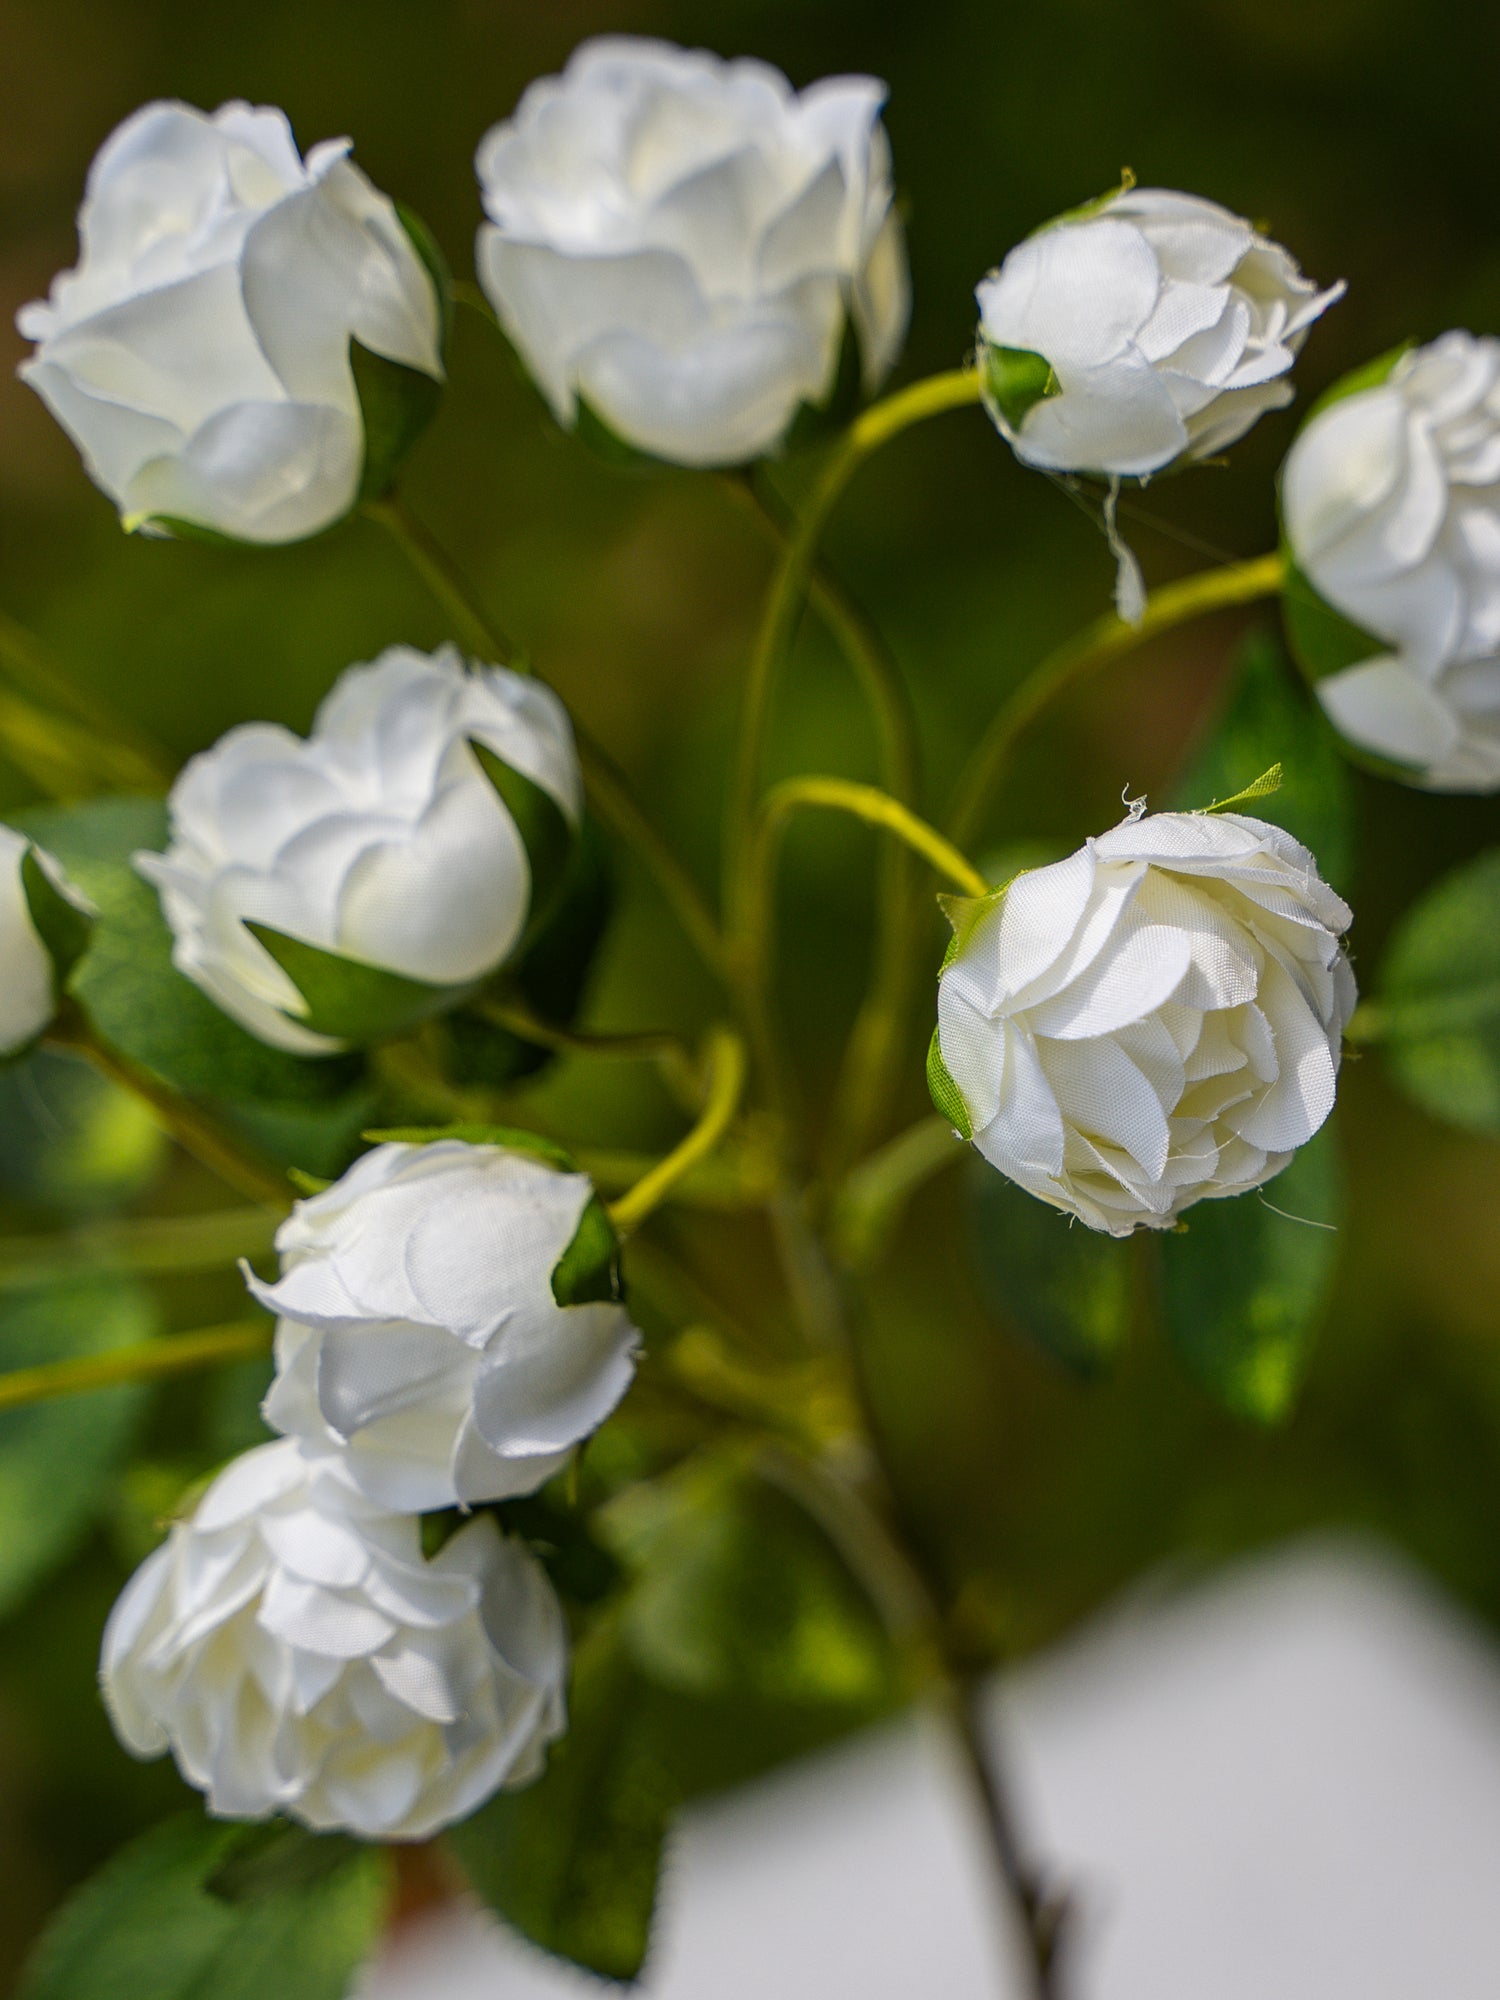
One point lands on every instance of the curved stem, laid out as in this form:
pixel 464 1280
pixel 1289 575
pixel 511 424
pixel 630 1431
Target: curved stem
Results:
pixel 875 427
pixel 607 785
pixel 873 1196
pixel 1108 638
pixel 725 1086
pixel 150 1361
pixel 116 750
pixel 518 1019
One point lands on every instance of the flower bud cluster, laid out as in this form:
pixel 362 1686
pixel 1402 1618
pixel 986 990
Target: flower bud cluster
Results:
pixel 289 1643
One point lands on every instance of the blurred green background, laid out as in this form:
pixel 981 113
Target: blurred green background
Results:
pixel 1362 131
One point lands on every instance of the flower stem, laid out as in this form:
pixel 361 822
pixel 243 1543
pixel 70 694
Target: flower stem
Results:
pixel 875 427
pixel 152 1246
pixel 725 1086
pixel 104 742
pixel 878 1189
pixel 477 630
pixel 1108 638
pixel 150 1361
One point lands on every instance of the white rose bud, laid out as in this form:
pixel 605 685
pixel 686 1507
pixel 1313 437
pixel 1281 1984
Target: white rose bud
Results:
pixel 1391 506
pixel 292 1649
pixel 1147 329
pixel 680 244
pixel 44 926
pixel 1154 1021
pixel 380 840
pixel 199 354
pixel 450 1321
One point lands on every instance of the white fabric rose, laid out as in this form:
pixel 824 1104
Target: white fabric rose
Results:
pixel 198 355
pixel 1155 1020
pixel 28 973
pixel 297 1655
pixel 1391 504
pixel 378 838
pixel 1168 324
pixel 680 242
pixel 420 1332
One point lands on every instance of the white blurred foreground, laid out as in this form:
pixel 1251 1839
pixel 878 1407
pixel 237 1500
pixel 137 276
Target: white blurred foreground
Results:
pixel 1282 1786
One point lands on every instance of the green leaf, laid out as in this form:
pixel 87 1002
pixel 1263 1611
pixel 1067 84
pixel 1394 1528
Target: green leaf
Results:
pixel 1437 1001
pixel 62 927
pixel 270 1859
pixel 547 834
pixel 59 1459
pixel 1068 1288
pixel 350 1000
pixel 573 1861
pixel 127 984
pixel 1016 380
pixel 737 1591
pixel 946 1096
pixel 1245 1283
pixel 148 1927
pixel 589 1269
pixel 1268 717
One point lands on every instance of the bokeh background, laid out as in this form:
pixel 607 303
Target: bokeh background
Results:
pixel 1363 132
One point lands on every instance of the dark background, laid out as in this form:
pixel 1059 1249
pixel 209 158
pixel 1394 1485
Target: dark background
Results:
pixel 1363 133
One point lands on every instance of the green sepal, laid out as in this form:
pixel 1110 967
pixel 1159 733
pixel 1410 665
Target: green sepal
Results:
pixel 945 1093
pixel 1369 375
pixel 1095 206
pixel 396 404
pixel 816 423
pixel 547 834
pixel 1262 787
pixel 430 251
pixel 1322 639
pixel 62 926
pixel 588 1271
pixel 605 442
pixel 509 1138
pixel 176 529
pixel 1016 380
pixel 349 1000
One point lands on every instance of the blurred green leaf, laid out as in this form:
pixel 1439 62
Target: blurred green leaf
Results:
pixel 62 927
pixel 1269 718
pixel 1437 1001
pixel 148 1927
pixel 1244 1285
pixel 1067 1287
pixel 133 994
pixel 72 1140
pixel 573 1860
pixel 1017 380
pixel 736 1590
pixel 58 1459
pixel 589 1269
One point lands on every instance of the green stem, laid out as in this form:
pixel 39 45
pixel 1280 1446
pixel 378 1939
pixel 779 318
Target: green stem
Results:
pixel 477 630
pixel 725 1086
pixel 517 1019
pixel 1107 639
pixel 873 1196
pixel 875 427
pixel 148 1362
pixel 858 1103
pixel 154 1246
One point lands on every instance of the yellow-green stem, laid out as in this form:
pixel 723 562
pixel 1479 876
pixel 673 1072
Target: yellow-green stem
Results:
pixel 1108 638
pixel 149 1362
pixel 875 427
pixel 725 1085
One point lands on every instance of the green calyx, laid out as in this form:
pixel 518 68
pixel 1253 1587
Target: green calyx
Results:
pixel 63 925
pixel 348 1000
pixel 946 1096
pixel 1015 381
pixel 547 834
